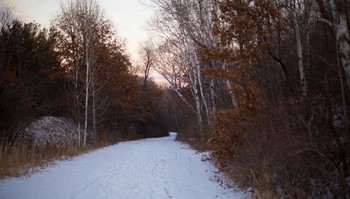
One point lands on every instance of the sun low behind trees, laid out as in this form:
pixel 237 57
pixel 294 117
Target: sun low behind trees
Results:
pixel 266 83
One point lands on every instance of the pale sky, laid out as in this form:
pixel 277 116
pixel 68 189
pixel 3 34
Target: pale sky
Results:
pixel 130 17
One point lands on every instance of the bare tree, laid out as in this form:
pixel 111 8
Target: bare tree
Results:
pixel 148 57
pixel 188 25
pixel 336 14
pixel 299 48
pixel 6 13
pixel 82 25
pixel 169 65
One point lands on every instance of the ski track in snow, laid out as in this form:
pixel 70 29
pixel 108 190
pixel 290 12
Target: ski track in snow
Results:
pixel 157 168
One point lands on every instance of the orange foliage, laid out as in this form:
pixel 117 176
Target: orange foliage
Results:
pixel 242 29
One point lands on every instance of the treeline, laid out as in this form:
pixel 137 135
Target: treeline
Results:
pixel 78 69
pixel 267 84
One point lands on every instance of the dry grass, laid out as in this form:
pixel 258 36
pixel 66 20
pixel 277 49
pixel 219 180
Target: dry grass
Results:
pixel 198 144
pixel 25 159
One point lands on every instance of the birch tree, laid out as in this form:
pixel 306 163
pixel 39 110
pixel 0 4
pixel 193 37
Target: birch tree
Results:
pixel 188 24
pixel 83 29
pixel 170 66
pixel 70 47
pixel 294 16
pixel 337 14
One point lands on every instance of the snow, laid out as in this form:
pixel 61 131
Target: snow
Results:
pixel 156 168
pixel 51 130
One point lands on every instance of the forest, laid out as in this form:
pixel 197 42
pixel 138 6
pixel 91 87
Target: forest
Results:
pixel 263 84
pixel 77 69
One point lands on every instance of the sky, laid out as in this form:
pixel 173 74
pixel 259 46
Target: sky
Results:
pixel 130 17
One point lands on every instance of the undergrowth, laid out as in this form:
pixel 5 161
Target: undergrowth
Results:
pixel 197 143
pixel 26 158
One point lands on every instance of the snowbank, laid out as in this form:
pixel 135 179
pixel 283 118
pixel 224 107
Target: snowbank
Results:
pixel 51 130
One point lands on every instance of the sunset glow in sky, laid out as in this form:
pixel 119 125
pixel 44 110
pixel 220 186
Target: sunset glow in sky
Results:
pixel 130 17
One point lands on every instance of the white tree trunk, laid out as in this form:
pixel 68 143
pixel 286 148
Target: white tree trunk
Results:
pixel 342 34
pixel 193 83
pixel 204 99
pixel 195 87
pixel 230 90
pixel 232 94
pixel 79 135
pixel 94 93
pixel 303 83
pixel 76 101
pixel 178 93
pixel 86 100
pixel 88 56
pixel 341 29
pixel 82 21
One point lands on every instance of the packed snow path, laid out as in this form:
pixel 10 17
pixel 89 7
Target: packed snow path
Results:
pixel 157 168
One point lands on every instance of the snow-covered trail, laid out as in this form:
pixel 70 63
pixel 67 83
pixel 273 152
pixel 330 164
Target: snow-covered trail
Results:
pixel 157 168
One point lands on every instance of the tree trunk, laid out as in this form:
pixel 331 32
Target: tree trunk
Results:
pixel 341 28
pixel 79 134
pixel 76 100
pixel 178 93
pixel 94 125
pixel 87 84
pixel 303 83
pixel 232 94
pixel 198 104
pixel 212 95
pixel 229 87
pixel 204 100
pixel 195 91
